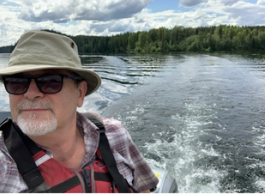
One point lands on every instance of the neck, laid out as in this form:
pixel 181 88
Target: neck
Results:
pixel 67 146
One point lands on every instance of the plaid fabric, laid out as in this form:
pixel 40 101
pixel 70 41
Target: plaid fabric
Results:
pixel 130 162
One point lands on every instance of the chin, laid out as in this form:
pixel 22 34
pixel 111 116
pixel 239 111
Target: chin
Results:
pixel 34 126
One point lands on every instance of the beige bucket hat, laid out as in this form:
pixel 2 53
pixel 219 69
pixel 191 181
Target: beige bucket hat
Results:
pixel 38 50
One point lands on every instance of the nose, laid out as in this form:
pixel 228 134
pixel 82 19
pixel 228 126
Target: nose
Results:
pixel 33 91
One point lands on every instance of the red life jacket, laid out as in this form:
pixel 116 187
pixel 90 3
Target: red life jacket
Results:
pixel 44 174
pixel 93 177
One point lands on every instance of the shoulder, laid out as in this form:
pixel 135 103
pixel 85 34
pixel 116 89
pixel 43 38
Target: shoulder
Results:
pixel 11 181
pixel 113 125
pixel 115 130
pixel 5 163
pixel 119 139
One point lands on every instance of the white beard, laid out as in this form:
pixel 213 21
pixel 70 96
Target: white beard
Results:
pixel 33 126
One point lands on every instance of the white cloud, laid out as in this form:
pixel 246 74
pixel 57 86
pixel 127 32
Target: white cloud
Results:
pixel 261 2
pixel 10 26
pixel 247 13
pixel 65 10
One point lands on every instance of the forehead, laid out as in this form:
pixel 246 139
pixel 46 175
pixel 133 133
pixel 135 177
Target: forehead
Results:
pixel 44 71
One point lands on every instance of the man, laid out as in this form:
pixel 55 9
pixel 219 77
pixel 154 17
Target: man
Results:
pixel 46 83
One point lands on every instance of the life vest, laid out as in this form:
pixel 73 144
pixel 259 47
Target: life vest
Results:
pixel 44 174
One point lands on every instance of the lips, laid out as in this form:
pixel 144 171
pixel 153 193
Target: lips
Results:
pixel 34 106
pixel 37 109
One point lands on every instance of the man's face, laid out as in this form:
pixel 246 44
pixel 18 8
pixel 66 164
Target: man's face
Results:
pixel 37 113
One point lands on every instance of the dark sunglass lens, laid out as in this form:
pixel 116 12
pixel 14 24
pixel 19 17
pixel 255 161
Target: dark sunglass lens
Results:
pixel 50 84
pixel 15 85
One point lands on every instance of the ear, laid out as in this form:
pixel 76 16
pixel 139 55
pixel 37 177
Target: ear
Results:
pixel 82 88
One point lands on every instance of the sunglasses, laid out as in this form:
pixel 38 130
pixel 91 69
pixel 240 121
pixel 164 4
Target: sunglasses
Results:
pixel 46 83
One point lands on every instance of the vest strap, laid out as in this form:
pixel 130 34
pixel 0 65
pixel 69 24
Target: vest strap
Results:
pixel 64 186
pixel 17 149
pixel 102 177
pixel 107 156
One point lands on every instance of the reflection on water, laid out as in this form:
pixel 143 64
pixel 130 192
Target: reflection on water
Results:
pixel 120 74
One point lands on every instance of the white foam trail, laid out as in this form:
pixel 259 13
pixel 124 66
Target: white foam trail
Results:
pixel 184 156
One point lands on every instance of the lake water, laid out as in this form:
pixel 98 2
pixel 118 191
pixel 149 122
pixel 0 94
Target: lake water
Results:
pixel 201 117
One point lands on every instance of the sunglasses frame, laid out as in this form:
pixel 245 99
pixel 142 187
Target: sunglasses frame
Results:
pixel 35 77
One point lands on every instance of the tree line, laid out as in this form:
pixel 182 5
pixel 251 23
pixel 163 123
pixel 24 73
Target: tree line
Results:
pixel 178 39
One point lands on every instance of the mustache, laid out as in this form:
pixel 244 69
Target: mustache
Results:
pixel 36 104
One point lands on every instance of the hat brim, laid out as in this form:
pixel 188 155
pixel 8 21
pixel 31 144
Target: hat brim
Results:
pixel 93 80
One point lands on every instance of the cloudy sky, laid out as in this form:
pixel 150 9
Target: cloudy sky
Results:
pixel 108 17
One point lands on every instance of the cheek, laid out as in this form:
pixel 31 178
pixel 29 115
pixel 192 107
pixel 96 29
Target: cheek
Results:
pixel 13 101
pixel 65 107
pixel 67 100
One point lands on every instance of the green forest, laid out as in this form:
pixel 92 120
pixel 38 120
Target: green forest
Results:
pixel 178 39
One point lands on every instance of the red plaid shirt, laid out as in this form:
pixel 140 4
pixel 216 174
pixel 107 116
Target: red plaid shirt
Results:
pixel 130 162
